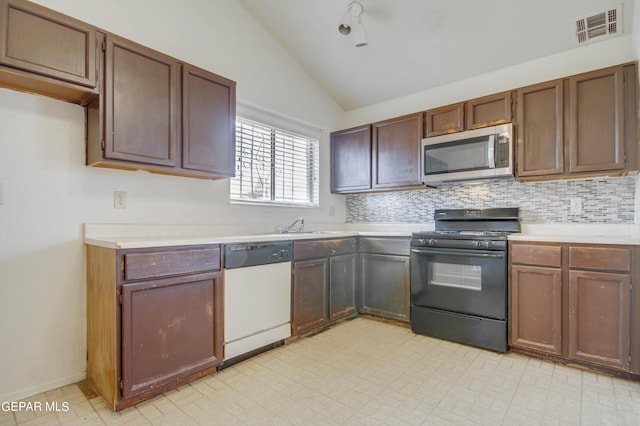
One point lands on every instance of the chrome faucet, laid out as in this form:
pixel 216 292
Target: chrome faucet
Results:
pixel 300 229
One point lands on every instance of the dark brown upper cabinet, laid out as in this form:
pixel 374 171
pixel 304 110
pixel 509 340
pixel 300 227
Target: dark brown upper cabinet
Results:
pixel 351 160
pixel 443 120
pixel 481 112
pixel 584 125
pixel 596 117
pixel 208 122
pixel 161 115
pixel 142 102
pixel 488 111
pixel 381 156
pixel 540 122
pixel 396 152
pixel 45 52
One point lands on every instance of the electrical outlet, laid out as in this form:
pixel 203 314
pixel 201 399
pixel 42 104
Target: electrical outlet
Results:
pixel 119 200
pixel 576 205
pixel 383 210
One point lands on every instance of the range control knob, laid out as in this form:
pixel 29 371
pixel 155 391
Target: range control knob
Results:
pixel 432 242
pixel 477 244
pixel 488 244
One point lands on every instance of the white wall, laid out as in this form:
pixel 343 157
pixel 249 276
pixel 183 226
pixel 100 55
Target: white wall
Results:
pixel 601 54
pixel 49 193
pixel 636 46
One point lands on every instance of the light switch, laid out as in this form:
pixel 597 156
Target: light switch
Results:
pixel 119 200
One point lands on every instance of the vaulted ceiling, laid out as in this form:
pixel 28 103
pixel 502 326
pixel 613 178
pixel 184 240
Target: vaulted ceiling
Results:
pixel 415 45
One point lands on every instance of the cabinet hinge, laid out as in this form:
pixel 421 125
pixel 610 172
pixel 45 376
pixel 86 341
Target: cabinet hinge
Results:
pixel 121 299
pixel 102 145
pixel 103 46
pixel 121 384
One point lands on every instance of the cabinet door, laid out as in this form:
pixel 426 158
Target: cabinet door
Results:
pixel 208 122
pixel 385 285
pixel 351 160
pixel 598 307
pixel 535 317
pixel 310 291
pixel 396 152
pixel 597 121
pixel 39 40
pixel 142 104
pixel 342 286
pixel 443 120
pixel 540 130
pixel 488 111
pixel 171 328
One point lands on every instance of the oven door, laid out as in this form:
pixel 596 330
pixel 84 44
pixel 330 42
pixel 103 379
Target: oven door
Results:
pixel 472 282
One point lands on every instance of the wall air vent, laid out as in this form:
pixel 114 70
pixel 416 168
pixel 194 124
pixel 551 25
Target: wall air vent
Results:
pixel 598 26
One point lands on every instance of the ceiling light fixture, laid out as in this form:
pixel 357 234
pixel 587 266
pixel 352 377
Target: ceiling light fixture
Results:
pixel 353 13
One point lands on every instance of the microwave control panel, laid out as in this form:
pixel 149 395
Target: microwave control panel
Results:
pixel 502 151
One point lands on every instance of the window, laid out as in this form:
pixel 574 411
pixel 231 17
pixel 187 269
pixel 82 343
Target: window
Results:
pixel 274 166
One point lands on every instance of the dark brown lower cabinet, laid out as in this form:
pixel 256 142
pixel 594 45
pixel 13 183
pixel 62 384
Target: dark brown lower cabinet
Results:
pixel 168 330
pixel 323 283
pixel 154 319
pixel 599 318
pixel 310 295
pixel 384 277
pixel 574 302
pixel 342 300
pixel 536 308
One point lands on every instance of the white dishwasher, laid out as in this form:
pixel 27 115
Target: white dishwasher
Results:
pixel 257 298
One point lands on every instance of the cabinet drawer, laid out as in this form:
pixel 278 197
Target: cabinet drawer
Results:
pixel 600 258
pixel 170 262
pixel 381 245
pixel 538 255
pixel 323 248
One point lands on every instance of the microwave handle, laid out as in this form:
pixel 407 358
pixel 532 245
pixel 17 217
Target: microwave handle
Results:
pixel 491 152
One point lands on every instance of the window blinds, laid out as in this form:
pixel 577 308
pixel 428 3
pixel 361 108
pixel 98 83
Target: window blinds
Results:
pixel 274 166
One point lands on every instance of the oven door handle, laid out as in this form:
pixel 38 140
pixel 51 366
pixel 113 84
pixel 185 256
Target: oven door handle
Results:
pixel 455 252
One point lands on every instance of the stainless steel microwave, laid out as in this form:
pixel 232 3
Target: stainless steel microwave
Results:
pixel 474 154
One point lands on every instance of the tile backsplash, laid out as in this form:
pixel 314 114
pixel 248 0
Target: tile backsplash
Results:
pixel 604 200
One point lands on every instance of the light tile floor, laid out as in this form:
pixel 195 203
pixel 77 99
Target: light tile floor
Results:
pixel 367 372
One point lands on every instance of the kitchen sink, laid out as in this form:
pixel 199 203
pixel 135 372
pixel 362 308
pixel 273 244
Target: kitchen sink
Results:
pixel 284 234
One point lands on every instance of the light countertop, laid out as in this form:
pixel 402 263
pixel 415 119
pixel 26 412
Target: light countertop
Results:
pixel 120 242
pixel 126 236
pixel 580 233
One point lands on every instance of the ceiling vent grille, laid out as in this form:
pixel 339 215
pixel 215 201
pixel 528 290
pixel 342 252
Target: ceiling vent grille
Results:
pixel 598 26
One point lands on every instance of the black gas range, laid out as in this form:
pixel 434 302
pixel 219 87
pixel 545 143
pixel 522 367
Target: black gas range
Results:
pixel 459 276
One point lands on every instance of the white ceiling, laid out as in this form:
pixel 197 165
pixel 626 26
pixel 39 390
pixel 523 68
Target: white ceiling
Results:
pixel 416 45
